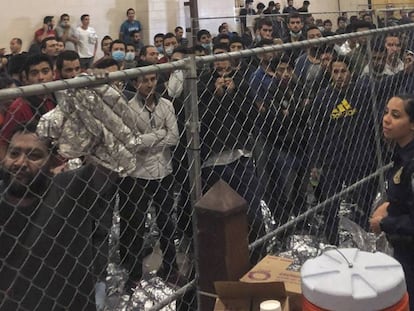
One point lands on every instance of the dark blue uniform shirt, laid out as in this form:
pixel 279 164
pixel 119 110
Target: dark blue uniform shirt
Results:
pixel 400 219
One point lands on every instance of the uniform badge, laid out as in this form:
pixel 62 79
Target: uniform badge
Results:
pixel 397 176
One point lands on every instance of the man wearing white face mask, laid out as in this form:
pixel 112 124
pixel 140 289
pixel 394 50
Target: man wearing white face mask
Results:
pixel 295 26
pixel 117 50
pixel 169 44
pixel 130 57
pixel 158 41
pixel 205 40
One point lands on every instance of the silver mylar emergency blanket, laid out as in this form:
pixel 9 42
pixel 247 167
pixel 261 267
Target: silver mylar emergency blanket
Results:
pixel 96 122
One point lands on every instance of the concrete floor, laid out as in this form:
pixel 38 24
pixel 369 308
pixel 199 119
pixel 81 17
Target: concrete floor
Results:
pixel 152 289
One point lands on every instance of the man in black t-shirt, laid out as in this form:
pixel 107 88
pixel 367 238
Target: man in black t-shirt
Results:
pixel 46 253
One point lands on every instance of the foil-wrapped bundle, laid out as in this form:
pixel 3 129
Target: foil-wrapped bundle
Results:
pixel 301 248
pixel 95 122
pixel 351 235
pixel 156 290
pixel 354 235
pixel 150 291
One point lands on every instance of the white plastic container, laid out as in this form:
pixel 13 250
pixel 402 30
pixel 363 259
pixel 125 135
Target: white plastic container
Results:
pixel 350 279
pixel 270 305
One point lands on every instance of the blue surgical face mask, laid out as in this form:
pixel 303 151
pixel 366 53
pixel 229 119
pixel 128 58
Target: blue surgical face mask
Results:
pixel 160 49
pixel 206 45
pixel 129 56
pixel 119 56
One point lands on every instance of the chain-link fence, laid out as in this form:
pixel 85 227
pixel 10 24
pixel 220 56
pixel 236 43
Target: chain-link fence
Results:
pixel 245 21
pixel 98 206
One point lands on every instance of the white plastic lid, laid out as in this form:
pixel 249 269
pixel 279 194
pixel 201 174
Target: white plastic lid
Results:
pixel 270 305
pixel 350 279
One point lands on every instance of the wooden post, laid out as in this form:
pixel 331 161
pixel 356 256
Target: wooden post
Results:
pixel 223 253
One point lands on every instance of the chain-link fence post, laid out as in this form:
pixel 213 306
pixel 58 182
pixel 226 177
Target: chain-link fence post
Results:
pixel 377 123
pixel 192 125
pixel 192 128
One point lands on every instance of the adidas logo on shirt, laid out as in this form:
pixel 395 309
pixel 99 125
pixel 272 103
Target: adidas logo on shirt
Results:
pixel 344 109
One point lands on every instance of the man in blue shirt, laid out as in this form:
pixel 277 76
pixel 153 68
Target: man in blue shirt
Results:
pixel 128 26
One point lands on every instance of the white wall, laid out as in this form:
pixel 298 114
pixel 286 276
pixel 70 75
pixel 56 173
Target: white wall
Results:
pixel 324 5
pixel 216 8
pixel 23 17
pixel 318 7
pixel 223 9
pixel 164 16
pixel 20 18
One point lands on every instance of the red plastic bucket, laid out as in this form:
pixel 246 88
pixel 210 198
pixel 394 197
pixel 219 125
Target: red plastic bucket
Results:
pixel 402 305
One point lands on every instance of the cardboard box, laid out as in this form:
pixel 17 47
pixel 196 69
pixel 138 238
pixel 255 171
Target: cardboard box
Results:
pixel 275 269
pixel 240 296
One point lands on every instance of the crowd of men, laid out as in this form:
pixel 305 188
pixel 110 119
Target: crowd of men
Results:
pixel 268 122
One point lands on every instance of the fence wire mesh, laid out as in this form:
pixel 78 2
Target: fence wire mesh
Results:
pixel 97 208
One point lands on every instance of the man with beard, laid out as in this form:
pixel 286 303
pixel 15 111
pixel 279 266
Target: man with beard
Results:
pixel 310 58
pixel 378 61
pixel 46 253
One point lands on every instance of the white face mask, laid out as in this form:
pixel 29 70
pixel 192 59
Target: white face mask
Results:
pixel 169 50
pixel 129 56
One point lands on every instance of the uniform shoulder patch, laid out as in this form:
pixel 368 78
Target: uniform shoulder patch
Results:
pixel 397 176
pixel 412 182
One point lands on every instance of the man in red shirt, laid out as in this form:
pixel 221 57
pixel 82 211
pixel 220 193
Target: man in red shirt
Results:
pixel 46 31
pixel 37 69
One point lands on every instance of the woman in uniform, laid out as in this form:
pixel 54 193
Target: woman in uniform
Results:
pixel 396 216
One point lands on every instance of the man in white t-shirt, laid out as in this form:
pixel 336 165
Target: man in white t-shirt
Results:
pixel 88 42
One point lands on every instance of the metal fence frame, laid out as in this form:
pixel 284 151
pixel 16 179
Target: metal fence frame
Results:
pixel 375 12
pixel 188 65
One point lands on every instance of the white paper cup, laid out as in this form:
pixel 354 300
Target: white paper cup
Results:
pixel 270 305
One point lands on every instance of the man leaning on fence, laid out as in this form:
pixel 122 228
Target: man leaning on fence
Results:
pixel 46 250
